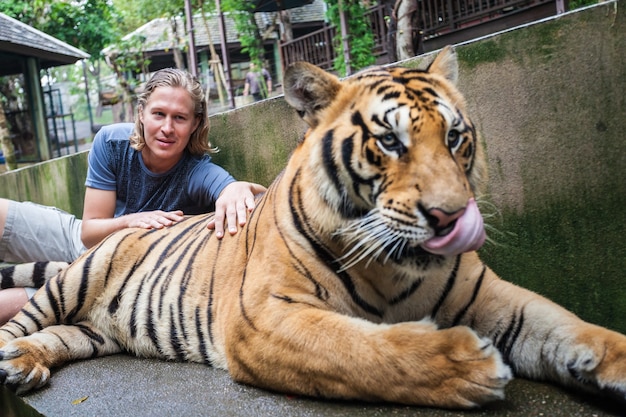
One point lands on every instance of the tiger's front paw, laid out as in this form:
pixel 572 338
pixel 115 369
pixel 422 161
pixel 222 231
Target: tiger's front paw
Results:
pixel 598 361
pixel 477 373
pixel 20 368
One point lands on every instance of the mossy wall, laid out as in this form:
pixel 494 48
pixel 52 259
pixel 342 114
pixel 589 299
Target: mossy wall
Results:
pixel 59 182
pixel 255 141
pixel 549 101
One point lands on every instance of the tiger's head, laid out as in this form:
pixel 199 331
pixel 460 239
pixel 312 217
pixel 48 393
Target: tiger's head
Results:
pixel 394 154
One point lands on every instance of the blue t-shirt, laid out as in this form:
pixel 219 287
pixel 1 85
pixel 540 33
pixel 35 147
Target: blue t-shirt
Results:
pixel 192 185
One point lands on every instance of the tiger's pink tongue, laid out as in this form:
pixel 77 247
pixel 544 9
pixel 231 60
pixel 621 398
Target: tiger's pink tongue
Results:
pixel 468 234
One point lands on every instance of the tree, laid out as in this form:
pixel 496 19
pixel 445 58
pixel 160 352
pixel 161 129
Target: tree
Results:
pixel 214 61
pixel 127 57
pixel 89 25
pixel 408 38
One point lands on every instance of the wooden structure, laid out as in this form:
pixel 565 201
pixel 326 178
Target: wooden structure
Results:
pixel 443 22
pixel 25 52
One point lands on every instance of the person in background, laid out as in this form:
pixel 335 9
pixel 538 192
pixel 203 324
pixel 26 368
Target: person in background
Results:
pixel 254 82
pixel 146 175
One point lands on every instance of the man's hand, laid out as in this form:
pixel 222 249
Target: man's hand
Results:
pixel 233 205
pixel 154 219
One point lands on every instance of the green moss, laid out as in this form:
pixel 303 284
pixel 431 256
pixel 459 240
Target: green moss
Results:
pixel 571 252
pixel 75 182
pixel 540 42
pixel 481 52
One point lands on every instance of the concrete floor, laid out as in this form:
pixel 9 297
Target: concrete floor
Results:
pixel 125 386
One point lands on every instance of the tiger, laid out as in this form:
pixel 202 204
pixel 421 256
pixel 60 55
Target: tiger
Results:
pixel 355 278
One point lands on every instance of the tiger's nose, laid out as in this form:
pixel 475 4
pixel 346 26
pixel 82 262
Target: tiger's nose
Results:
pixel 441 219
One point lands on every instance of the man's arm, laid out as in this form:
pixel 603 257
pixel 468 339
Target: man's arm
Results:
pixel 268 81
pixel 98 220
pixel 246 86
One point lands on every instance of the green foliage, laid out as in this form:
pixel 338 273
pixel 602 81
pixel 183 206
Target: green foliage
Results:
pixel 242 12
pixel 361 37
pixel 89 25
pixel 129 59
pixel 138 12
pixel 576 4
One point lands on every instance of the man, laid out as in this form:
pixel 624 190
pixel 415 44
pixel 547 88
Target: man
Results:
pixel 254 83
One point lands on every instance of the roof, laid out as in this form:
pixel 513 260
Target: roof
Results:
pixel 274 5
pixel 19 39
pixel 314 12
pixel 158 32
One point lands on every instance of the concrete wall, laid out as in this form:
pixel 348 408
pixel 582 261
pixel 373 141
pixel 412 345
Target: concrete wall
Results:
pixel 549 99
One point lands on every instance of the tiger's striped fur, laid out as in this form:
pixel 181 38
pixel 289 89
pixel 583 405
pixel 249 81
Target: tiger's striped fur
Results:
pixel 32 274
pixel 328 289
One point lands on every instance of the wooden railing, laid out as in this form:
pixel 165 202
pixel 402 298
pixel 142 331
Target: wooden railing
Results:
pixel 437 17
pixel 442 16
pixel 317 47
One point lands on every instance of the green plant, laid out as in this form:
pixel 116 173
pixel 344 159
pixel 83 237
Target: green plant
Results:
pixel 361 37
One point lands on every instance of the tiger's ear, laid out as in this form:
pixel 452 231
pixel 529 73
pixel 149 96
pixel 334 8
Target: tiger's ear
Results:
pixel 446 65
pixel 309 89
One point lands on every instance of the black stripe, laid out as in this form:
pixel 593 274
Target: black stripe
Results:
pixel 202 345
pixel 65 345
pixel 210 303
pixel 431 92
pixel 510 336
pixel 463 311
pixel 33 318
pixel 448 287
pixel 33 303
pixel 391 95
pixel 133 313
pixel 407 293
pixel 329 162
pixel 13 335
pixel 175 342
pixel 39 273
pixel 382 123
pixel 284 298
pixel 241 303
pixel 151 322
pixel 82 289
pixel 53 300
pixel 7 277
pixel 347 208
pixel 357 120
pixel 90 333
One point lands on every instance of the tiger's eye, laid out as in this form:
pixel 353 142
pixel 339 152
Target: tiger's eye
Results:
pixel 454 138
pixel 390 142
